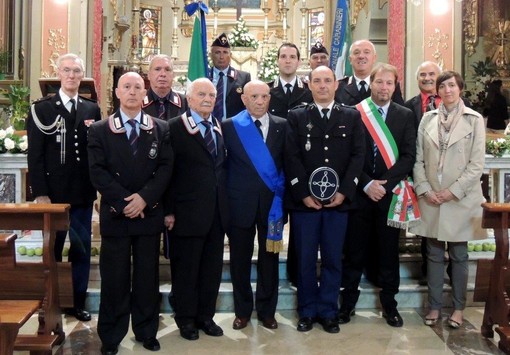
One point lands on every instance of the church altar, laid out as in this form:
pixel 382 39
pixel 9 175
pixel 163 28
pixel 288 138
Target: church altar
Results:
pixel 13 168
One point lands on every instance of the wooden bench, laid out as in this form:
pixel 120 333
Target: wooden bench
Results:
pixel 495 292
pixel 36 281
pixel 13 314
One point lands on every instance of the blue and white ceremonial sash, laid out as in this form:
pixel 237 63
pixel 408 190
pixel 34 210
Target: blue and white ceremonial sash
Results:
pixel 338 37
pixel 264 164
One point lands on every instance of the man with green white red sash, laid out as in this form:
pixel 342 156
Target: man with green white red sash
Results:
pixel 385 197
pixel 254 140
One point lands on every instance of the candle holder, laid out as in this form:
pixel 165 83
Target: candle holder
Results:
pixel 175 37
pixel 134 59
pixel 265 39
pixel 304 49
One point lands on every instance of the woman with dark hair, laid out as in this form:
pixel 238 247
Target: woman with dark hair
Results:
pixel 496 107
pixel 450 154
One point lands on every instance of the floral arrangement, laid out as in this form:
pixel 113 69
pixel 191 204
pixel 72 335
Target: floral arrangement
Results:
pixel 11 142
pixel 484 72
pixel 497 147
pixel 240 37
pixel 268 66
pixel 182 79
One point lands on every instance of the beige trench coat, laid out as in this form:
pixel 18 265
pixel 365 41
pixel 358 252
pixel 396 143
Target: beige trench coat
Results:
pixel 459 219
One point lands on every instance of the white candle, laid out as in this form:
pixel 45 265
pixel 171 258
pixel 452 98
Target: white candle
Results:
pixel 304 4
pixel 265 3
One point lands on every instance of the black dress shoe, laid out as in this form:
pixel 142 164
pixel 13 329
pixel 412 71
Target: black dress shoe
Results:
pixel 189 332
pixel 305 324
pixel 344 315
pixel 151 344
pixel 330 325
pixel 109 349
pixel 393 319
pixel 78 313
pixel 211 328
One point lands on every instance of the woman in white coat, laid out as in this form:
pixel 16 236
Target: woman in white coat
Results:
pixel 450 154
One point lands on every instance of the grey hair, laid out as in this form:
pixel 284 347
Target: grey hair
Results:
pixel 73 57
pixel 162 56
pixel 428 62
pixel 191 87
pixel 361 41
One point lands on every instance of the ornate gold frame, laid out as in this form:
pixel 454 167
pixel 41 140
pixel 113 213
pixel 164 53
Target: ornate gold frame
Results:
pixel 470 22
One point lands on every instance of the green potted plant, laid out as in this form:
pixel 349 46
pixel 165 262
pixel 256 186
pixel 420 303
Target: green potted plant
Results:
pixel 19 98
pixel 5 56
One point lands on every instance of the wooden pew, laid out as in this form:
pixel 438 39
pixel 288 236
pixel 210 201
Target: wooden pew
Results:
pixel 496 296
pixel 13 314
pixel 36 281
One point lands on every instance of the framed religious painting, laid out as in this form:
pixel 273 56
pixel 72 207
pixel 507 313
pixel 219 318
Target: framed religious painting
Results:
pixel 316 22
pixel 504 186
pixel 149 40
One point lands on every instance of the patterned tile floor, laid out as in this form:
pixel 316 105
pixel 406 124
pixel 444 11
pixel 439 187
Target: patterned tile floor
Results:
pixel 367 333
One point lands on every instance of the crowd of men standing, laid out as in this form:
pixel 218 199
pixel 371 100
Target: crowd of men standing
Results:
pixel 232 156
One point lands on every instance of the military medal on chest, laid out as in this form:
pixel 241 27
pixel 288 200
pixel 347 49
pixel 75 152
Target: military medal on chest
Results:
pixel 308 144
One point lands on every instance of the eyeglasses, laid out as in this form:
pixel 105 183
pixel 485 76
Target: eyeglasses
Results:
pixel 68 71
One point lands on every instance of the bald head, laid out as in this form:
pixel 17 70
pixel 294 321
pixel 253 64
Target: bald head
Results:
pixel 131 91
pixel 256 98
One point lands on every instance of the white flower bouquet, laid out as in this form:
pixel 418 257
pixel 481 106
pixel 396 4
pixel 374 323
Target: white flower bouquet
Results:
pixel 240 37
pixel 11 142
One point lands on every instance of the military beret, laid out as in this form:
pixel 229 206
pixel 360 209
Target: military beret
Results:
pixel 221 41
pixel 318 48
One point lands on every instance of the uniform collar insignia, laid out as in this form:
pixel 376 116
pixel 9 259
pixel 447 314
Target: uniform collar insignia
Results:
pixel 232 73
pixel 189 123
pixel 116 126
pixel 146 101
pixel 175 99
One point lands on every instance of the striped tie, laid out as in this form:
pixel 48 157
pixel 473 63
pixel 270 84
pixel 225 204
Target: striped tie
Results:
pixel 218 105
pixel 161 113
pixel 209 140
pixel 133 136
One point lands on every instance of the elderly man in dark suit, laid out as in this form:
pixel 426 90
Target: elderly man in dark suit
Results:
pixel 255 185
pixel 324 152
pixel 58 167
pixel 196 212
pixel 161 101
pixel 353 89
pixel 387 163
pixel 229 82
pixel 288 90
pixel 130 165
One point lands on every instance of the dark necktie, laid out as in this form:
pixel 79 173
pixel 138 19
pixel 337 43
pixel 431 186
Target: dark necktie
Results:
pixel 259 128
pixel 218 105
pixel 362 90
pixel 325 113
pixel 208 137
pixel 431 103
pixel 133 136
pixel 288 90
pixel 381 111
pixel 161 113
pixel 73 108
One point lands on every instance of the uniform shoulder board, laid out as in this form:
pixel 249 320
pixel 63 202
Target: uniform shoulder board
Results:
pixel 87 99
pixel 348 106
pixel 311 106
pixel 42 99
pixel 301 105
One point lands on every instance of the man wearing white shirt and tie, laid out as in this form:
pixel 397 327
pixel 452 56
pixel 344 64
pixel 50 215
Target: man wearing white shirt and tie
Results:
pixel 353 89
pixel 390 140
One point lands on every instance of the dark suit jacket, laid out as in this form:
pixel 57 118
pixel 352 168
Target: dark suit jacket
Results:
pixel 280 105
pixel 197 186
pixel 247 192
pixel 400 122
pixel 236 79
pixel 176 105
pixel 414 104
pixel 117 174
pixel 348 94
pixel 337 143
pixel 68 182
